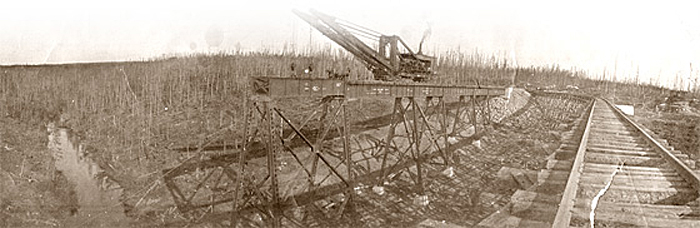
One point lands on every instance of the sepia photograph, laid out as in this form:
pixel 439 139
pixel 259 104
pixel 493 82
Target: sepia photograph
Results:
pixel 311 113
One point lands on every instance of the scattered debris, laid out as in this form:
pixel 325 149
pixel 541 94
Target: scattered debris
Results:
pixel 549 87
pixel 486 198
pixel 452 140
pixel 437 224
pixel 449 172
pixel 572 87
pixel 421 200
pixel 379 190
pixel 520 177
pixel 514 176
pixel 477 144
pixel 359 188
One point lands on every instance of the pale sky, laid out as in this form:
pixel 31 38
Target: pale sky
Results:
pixel 659 38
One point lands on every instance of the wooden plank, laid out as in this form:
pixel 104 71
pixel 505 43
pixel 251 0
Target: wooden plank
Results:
pixel 609 138
pixel 639 147
pixel 649 210
pixel 635 220
pixel 536 211
pixel 640 188
pixel 553 175
pixel 622 151
pixel 621 145
pixel 606 131
pixel 547 175
pixel 559 164
pixel 607 171
pixel 530 196
pixel 633 181
pixel 609 168
pixel 595 157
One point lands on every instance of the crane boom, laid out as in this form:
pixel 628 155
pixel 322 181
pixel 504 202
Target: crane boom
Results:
pixel 384 66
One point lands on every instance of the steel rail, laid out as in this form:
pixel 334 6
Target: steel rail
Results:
pixel 676 163
pixel 568 199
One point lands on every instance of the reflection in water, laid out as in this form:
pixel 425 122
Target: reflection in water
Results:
pixel 98 197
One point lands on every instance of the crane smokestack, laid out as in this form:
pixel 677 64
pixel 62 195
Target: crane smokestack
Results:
pixel 426 34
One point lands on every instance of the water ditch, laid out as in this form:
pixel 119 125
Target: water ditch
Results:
pixel 98 196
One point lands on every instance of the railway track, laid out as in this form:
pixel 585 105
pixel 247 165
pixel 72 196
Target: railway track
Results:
pixel 609 163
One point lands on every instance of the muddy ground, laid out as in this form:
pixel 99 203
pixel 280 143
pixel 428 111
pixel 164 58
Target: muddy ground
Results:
pixel 32 192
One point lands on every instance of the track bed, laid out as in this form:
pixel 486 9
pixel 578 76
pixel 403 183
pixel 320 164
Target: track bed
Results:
pixel 609 162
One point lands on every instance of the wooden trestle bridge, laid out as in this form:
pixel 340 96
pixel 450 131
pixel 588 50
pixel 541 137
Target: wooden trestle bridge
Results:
pixel 286 162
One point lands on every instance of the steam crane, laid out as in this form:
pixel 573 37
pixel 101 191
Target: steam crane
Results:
pixel 388 62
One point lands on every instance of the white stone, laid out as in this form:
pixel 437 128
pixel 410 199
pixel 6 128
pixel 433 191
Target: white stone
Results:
pixel 449 172
pixel 452 140
pixel 477 144
pixel 378 189
pixel 257 218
